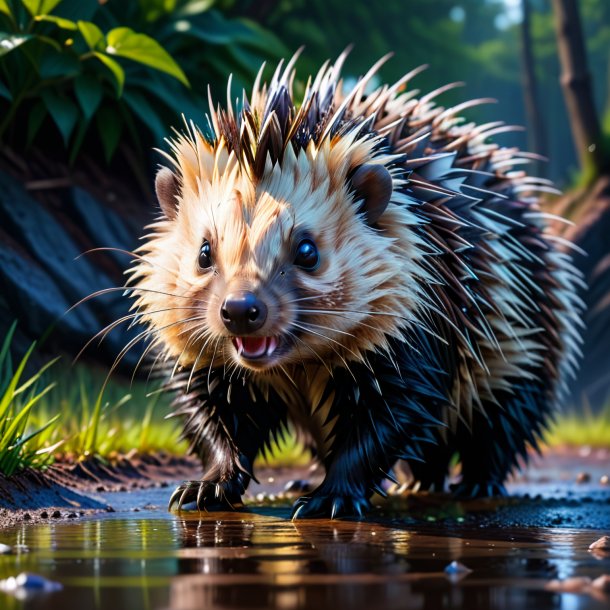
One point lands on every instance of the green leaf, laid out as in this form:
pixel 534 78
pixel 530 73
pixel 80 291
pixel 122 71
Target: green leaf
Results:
pixel 124 42
pixel 78 9
pixel 62 64
pixel 78 139
pixel 63 111
pixel 64 24
pixel 109 126
pixel 94 37
pixel 117 71
pixel 9 42
pixel 5 92
pixel 4 7
pixel 40 7
pixel 89 93
pixel 143 110
pixel 35 120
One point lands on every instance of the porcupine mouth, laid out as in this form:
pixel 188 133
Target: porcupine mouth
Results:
pixel 260 349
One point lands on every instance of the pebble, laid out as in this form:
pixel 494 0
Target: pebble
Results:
pixel 604 480
pixel 576 584
pixel 602 583
pixel 5 549
pixel 455 567
pixel 583 477
pixel 297 486
pixel 56 515
pixel 603 544
pixel 29 582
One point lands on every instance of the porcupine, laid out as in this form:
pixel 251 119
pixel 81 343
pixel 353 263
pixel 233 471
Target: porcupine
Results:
pixel 368 268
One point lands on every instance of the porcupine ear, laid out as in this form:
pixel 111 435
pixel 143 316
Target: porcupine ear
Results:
pixel 167 187
pixel 372 185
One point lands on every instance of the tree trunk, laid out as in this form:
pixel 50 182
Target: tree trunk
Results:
pixel 577 88
pixel 536 128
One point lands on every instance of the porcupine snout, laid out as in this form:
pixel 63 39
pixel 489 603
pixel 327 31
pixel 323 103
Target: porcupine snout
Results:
pixel 243 312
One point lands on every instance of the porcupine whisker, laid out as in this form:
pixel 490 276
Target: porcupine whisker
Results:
pixel 343 312
pixel 197 333
pixel 128 253
pixel 295 338
pixel 140 337
pixel 123 289
pixel 194 367
pixel 335 330
pixel 145 353
pixel 313 332
pixel 212 362
pixel 110 327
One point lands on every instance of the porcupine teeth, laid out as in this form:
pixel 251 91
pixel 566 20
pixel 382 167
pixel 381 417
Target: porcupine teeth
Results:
pixel 255 347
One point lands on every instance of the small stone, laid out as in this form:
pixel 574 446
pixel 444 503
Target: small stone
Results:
pixel 602 583
pixel 55 515
pixel 576 584
pixel 583 477
pixel 603 544
pixel 29 582
pixel 109 509
pixel 44 514
pixel 27 517
pixel 72 516
pixel 5 549
pixel 604 480
pixel 455 567
pixel 297 486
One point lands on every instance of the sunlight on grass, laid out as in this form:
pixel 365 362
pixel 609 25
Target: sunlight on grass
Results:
pixel 24 440
pixel 578 428
pixel 122 418
pixel 287 450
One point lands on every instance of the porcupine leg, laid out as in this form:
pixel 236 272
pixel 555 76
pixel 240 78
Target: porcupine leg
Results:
pixel 431 471
pixel 226 428
pixel 377 422
pixel 490 450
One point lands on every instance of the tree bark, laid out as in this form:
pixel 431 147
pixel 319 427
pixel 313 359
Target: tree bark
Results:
pixel 536 129
pixel 577 87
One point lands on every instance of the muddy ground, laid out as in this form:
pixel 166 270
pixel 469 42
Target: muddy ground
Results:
pixel 562 488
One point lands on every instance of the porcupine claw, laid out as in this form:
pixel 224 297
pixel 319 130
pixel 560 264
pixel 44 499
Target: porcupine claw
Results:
pixel 329 507
pixel 206 495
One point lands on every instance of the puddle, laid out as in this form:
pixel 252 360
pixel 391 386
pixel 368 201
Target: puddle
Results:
pixel 153 560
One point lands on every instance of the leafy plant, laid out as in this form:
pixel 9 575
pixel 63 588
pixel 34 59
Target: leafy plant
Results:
pixel 116 70
pixel 21 445
pixel 68 70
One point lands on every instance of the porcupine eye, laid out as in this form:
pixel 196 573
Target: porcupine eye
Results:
pixel 205 255
pixel 307 256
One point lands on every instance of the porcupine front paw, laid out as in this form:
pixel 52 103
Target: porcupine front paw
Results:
pixel 206 495
pixel 329 506
pixel 478 489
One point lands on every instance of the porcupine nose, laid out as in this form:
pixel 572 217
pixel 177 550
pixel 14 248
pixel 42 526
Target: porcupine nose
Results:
pixel 243 313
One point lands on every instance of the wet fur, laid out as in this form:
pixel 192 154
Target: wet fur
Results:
pixel 445 322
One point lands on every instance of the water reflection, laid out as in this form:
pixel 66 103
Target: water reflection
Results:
pixel 253 561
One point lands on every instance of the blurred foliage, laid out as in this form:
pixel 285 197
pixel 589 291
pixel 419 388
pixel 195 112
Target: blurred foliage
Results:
pixel 106 72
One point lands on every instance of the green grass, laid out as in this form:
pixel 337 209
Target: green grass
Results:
pixel 579 428
pixel 23 440
pixel 104 419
